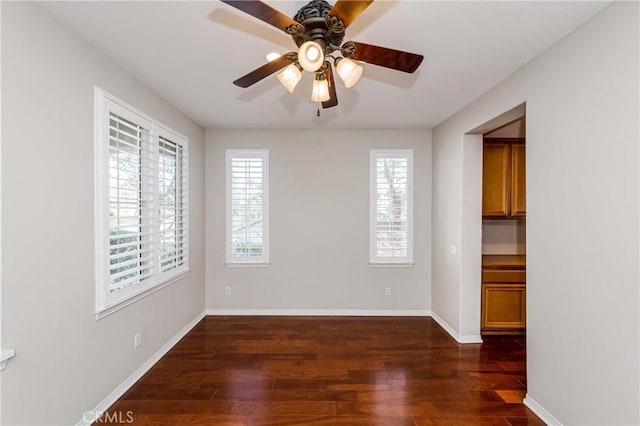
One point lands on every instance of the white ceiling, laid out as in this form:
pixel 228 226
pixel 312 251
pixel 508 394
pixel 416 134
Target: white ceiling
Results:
pixel 190 52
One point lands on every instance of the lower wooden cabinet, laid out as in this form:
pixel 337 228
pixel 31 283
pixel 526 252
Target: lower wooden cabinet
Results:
pixel 504 294
pixel 503 308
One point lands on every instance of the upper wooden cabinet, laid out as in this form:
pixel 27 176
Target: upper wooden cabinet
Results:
pixel 503 178
pixel 518 189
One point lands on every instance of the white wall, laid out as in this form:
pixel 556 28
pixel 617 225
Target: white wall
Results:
pixel 470 270
pixel 319 224
pixel 67 362
pixel 446 229
pixel 583 308
pixel 515 129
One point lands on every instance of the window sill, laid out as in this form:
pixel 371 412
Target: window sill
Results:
pixel 391 265
pixel 247 265
pixel 115 307
pixel 5 357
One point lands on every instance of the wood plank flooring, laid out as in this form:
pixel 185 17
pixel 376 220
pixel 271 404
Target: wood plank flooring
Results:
pixel 330 371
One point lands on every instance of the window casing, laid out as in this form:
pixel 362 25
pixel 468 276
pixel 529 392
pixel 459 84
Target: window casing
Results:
pixel 391 221
pixel 247 199
pixel 141 183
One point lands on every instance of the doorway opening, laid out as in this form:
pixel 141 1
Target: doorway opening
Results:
pixel 503 284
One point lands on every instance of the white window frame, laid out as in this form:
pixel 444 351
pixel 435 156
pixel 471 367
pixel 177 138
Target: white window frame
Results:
pixel 374 259
pixel 108 301
pixel 263 260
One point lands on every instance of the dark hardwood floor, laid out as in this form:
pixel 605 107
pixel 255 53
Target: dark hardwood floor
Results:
pixel 330 371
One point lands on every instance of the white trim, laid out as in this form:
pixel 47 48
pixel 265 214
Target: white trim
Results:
pixel 140 295
pixel 262 154
pixel 136 375
pixel 468 338
pixel 247 265
pixel 100 156
pixel 540 411
pixel 391 265
pixel 5 356
pixel 374 154
pixel 324 312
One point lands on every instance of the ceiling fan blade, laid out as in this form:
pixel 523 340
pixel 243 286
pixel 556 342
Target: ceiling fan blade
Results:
pixel 333 100
pixel 349 10
pixel 264 71
pixel 263 12
pixel 385 57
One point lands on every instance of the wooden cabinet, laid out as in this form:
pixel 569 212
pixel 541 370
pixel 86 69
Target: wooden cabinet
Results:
pixel 518 173
pixel 503 308
pixel 496 179
pixel 503 178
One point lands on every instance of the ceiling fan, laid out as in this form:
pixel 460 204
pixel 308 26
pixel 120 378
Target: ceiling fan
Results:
pixel 318 30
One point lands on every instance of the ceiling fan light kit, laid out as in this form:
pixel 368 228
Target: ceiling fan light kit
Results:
pixel 290 77
pixel 272 56
pixel 318 30
pixel 311 56
pixel 320 92
pixel 349 71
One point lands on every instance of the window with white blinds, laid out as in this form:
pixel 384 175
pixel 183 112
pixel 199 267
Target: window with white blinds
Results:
pixel 141 204
pixel 391 206
pixel 247 206
pixel 172 190
pixel 131 221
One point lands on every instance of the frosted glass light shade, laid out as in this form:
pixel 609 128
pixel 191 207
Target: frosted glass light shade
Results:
pixel 290 77
pixel 349 71
pixel 272 56
pixel 320 91
pixel 311 56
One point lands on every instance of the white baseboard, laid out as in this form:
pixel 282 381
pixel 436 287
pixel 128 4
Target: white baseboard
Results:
pixel 465 338
pixel 324 312
pixel 89 416
pixel 540 411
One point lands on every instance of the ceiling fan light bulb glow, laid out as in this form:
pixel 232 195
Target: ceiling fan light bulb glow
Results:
pixel 290 77
pixel 272 56
pixel 320 92
pixel 349 71
pixel 311 56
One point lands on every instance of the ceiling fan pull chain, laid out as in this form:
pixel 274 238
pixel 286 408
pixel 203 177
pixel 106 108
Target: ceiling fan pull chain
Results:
pixel 318 111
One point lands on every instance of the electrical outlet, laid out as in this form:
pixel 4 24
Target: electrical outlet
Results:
pixel 137 340
pixel 452 250
pixel 227 291
pixel 387 291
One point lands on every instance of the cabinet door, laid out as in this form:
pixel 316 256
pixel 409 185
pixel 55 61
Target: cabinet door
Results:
pixel 496 177
pixel 518 188
pixel 503 308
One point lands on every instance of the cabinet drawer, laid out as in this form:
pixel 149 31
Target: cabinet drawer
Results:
pixel 503 276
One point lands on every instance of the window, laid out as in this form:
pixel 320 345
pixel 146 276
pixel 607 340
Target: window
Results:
pixel 391 207
pixel 247 206
pixel 141 204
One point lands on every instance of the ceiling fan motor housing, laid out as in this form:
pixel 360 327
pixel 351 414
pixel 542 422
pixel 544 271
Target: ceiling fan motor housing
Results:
pixel 328 31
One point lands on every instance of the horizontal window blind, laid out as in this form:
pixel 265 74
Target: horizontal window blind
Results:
pixel 391 203
pixel 131 214
pixel 172 185
pixel 246 195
